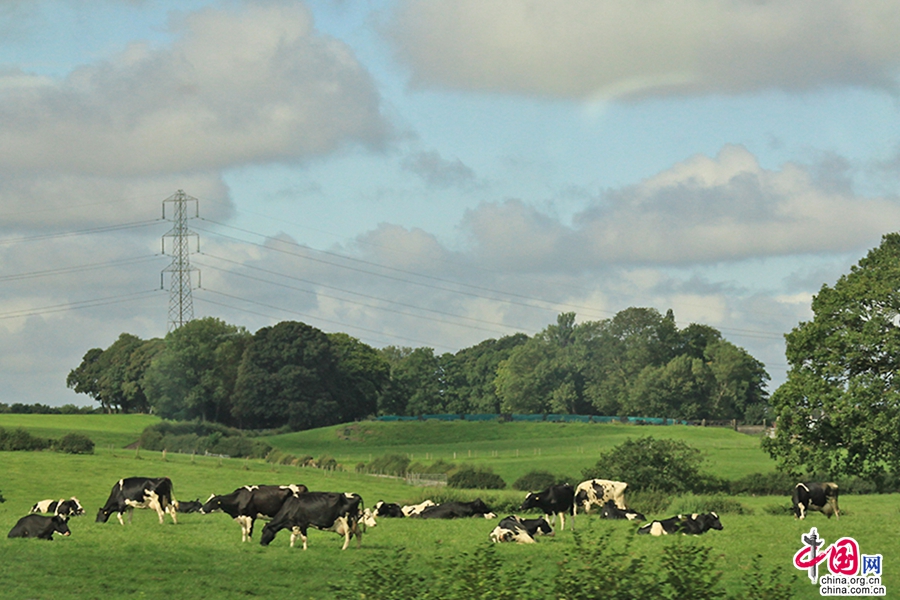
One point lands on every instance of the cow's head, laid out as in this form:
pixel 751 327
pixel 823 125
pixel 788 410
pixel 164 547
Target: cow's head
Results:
pixel 543 527
pixel 531 500
pixel 711 520
pixel 212 505
pixel 103 515
pixel 61 525
pixel 480 507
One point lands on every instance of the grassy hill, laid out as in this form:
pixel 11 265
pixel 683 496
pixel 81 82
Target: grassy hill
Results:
pixel 116 431
pixel 513 449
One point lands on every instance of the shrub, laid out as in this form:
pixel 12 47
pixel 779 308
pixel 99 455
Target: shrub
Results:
pixel 389 464
pixel 649 502
pixel 202 437
pixel 763 484
pixel 481 478
pixel 19 439
pixel 535 481
pixel 74 443
pixel 647 463
pixel 438 466
pixel 327 462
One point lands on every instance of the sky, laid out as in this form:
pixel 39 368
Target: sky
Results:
pixel 436 173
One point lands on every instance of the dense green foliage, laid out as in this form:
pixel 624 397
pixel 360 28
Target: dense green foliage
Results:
pixel 74 443
pixel 481 478
pixel 17 408
pixel 839 410
pixel 19 439
pixel 535 481
pixel 199 437
pixel 291 374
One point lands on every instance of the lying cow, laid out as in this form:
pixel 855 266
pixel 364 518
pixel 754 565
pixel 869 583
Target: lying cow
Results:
pixel 328 511
pixel 457 510
pixel 598 492
pixel 522 531
pixel 695 524
pixel 191 506
pixel 388 509
pixel 822 497
pixel 251 502
pixel 613 512
pixel 139 492
pixel 555 500
pixel 414 509
pixel 61 508
pixel 39 526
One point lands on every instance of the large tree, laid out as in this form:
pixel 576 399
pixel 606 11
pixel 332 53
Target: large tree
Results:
pixel 839 410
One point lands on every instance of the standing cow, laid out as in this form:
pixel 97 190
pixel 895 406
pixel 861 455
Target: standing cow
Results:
pixel 251 502
pixel 139 492
pixel 39 526
pixel 555 500
pixel 598 492
pixel 328 511
pixel 822 497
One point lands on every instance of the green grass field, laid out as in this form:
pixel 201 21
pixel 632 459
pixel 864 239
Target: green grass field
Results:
pixel 203 557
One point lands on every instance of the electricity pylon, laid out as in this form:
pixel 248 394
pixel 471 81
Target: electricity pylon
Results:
pixel 181 303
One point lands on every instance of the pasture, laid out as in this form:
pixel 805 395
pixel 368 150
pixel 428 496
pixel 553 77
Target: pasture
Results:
pixel 203 557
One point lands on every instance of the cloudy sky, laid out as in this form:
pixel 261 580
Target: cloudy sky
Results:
pixel 436 173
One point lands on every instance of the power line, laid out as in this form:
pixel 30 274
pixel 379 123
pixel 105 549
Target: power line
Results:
pixel 77 268
pixel 76 305
pixel 181 304
pixel 93 230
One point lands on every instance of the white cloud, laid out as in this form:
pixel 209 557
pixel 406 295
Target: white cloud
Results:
pixel 592 50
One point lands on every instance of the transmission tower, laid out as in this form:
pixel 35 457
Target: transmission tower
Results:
pixel 181 303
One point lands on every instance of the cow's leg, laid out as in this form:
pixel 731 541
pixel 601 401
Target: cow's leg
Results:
pixel 303 537
pixel 562 521
pixel 171 510
pixel 802 511
pixel 295 533
pixel 245 527
pixel 121 520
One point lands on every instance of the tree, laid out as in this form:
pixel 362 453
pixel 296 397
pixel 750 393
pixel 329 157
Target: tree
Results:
pixel 85 378
pixel 838 412
pixel 289 375
pixel 365 373
pixel 194 375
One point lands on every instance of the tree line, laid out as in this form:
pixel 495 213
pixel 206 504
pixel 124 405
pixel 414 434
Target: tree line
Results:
pixel 291 374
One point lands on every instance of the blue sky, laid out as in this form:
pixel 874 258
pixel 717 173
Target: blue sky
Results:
pixel 437 173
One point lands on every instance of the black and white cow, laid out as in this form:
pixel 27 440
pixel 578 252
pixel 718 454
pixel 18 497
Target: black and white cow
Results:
pixel 61 508
pixel 388 509
pixel 251 502
pixel 613 512
pixel 457 510
pixel 598 492
pixel 822 497
pixel 191 506
pixel 39 526
pixel 523 531
pixel 139 492
pixel 414 509
pixel 328 511
pixel 555 500
pixel 688 525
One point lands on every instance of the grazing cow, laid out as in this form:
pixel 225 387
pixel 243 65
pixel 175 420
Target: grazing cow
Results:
pixel 251 502
pixel 328 511
pixel 388 509
pixel 598 491
pixel 611 511
pixel 139 492
pixel 191 506
pixel 688 525
pixel 522 531
pixel 39 526
pixel 455 510
pixel 414 509
pixel 555 500
pixel 822 497
pixel 61 508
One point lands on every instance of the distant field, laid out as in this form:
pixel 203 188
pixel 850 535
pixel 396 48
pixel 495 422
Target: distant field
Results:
pixel 117 431
pixel 513 449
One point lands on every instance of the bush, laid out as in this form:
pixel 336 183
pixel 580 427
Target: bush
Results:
pixel 19 439
pixel 437 467
pixel 481 478
pixel 535 481
pixel 649 502
pixel 74 443
pixel 200 438
pixel 669 466
pixel 389 464
pixel 763 484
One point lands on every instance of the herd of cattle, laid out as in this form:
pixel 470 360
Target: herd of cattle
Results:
pixel 296 508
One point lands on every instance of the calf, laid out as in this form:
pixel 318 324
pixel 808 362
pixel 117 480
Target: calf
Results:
pixel 522 531
pixel 388 509
pixel 599 491
pixel 139 492
pixel 191 506
pixel 39 526
pixel 414 509
pixel 61 508
pixel 455 510
pixel 328 511
pixel 555 500
pixel 688 525
pixel 611 511
pixel 251 502
pixel 822 497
